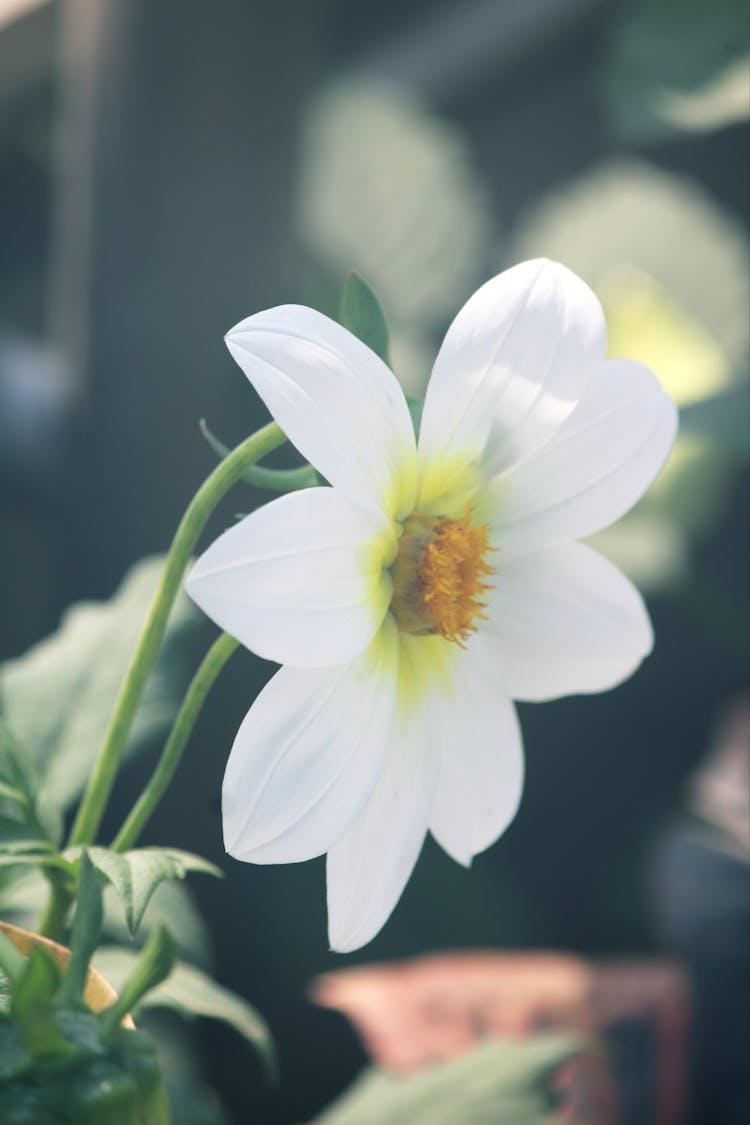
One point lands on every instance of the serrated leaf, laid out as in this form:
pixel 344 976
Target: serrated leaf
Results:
pixel 58 697
pixel 499 1081
pixel 136 874
pixel 360 312
pixel 191 992
pixel 24 894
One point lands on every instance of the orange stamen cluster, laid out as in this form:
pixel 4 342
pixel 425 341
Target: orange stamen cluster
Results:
pixel 439 576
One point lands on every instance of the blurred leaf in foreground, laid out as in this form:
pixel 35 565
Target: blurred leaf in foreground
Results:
pixel 499 1081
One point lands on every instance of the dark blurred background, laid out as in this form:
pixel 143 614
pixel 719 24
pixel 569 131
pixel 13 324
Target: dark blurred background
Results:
pixel 169 167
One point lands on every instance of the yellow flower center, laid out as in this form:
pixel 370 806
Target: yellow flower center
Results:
pixel 439 576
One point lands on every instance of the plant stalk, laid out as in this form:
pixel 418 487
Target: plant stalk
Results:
pixel 200 686
pixel 226 473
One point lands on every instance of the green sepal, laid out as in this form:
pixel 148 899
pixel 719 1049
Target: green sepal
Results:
pixel 360 311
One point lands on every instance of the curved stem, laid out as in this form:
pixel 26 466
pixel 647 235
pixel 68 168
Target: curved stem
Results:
pixel 281 480
pixel 226 473
pixel 201 684
pixel 276 480
pixel 52 923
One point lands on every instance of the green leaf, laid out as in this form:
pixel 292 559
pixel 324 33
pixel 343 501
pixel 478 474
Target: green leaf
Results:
pixel 19 785
pixel 678 65
pixel 136 874
pixel 58 697
pixel 153 964
pixel 87 926
pixel 32 1008
pixel 17 836
pixel 671 271
pixel 360 312
pixel 192 992
pixel 416 406
pixel 12 962
pixel 391 190
pixel 499 1081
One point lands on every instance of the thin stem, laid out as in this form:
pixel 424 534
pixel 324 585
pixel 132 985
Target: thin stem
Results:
pixel 201 684
pixel 276 480
pixel 282 480
pixel 226 473
pixel 52 924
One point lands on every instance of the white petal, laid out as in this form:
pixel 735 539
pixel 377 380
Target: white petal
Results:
pixel 334 398
pixel 301 580
pixel 368 868
pixel 511 369
pixel 477 739
pixel 308 755
pixel 565 621
pixel 596 467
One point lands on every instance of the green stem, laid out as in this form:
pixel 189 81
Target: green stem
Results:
pixel 202 682
pixel 274 480
pixel 282 480
pixel 52 924
pixel 226 473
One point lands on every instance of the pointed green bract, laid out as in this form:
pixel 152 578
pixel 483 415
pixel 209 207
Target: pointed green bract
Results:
pixel 87 926
pixel 360 312
pixel 153 965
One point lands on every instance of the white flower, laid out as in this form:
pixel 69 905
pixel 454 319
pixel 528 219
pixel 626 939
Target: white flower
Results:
pixel 433 583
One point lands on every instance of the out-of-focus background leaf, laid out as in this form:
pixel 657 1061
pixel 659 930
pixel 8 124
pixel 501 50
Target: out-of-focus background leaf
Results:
pixel 671 269
pixel 678 66
pixel 389 189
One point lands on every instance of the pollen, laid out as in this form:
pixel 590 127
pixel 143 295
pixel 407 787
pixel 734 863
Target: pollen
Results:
pixel 440 576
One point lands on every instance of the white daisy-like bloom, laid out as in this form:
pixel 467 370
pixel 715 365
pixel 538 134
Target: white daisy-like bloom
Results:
pixel 432 584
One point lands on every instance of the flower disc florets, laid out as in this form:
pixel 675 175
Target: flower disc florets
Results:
pixel 438 576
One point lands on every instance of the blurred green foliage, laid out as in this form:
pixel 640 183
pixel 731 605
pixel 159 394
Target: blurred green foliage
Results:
pixel 498 1081
pixel 678 66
